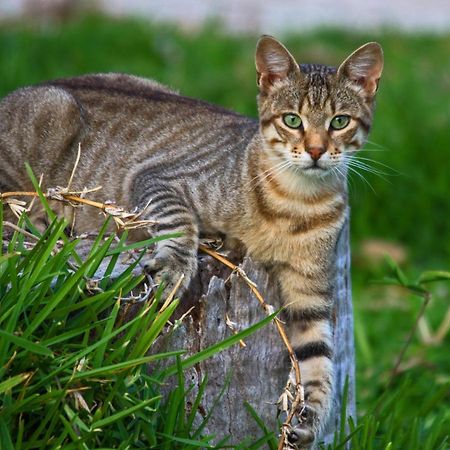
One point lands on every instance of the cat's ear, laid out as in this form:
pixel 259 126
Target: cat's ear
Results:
pixel 363 67
pixel 273 62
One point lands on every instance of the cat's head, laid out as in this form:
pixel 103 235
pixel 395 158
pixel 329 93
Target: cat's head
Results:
pixel 315 117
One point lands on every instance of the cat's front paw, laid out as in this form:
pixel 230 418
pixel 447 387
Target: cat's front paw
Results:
pixel 165 270
pixel 303 428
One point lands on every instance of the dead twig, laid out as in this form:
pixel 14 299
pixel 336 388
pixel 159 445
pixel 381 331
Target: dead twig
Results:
pixel 77 160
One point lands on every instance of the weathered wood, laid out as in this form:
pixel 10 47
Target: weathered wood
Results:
pixel 259 371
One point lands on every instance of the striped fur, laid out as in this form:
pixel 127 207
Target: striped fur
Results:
pixel 279 191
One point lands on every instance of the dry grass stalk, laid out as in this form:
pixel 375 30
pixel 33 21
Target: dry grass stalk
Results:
pixel 124 220
pixel 171 295
pixel 176 323
pixel 292 400
pixel 20 230
pixel 77 160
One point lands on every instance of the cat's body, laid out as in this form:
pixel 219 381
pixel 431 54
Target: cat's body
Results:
pixel 272 186
pixel 123 124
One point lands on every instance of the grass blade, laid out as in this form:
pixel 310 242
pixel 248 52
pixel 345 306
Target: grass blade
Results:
pixel 124 413
pixel 14 381
pixel 32 347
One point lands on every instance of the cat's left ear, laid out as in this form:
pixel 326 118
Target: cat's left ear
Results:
pixel 363 67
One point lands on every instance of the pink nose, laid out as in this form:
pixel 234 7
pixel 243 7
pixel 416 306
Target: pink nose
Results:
pixel 315 152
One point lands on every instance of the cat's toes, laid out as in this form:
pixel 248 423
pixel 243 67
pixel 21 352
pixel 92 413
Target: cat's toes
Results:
pixel 302 433
pixel 153 264
pixel 163 270
pixel 301 438
pixel 169 279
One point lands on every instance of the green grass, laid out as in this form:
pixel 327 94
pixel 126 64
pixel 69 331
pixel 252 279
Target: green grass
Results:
pixel 75 372
pixel 409 207
pixel 74 368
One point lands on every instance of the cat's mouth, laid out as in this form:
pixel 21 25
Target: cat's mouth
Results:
pixel 315 167
pixel 315 170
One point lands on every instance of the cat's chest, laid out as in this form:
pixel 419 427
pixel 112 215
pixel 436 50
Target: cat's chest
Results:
pixel 294 232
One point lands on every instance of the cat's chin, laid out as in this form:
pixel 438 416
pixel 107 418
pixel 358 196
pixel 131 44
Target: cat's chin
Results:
pixel 324 172
pixel 316 172
pixel 307 180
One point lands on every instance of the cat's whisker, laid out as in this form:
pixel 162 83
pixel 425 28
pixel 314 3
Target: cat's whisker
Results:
pixel 357 156
pixel 363 178
pixel 263 174
pixel 277 169
pixel 337 173
pixel 360 150
pixel 338 170
pixel 358 164
pixel 351 183
pixel 271 172
pixel 359 168
pixel 348 176
pixel 366 167
pixel 373 161
pixel 381 147
pixel 345 176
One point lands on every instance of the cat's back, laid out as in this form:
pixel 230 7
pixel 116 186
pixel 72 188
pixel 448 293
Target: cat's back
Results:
pixel 116 94
pixel 118 119
pixel 115 97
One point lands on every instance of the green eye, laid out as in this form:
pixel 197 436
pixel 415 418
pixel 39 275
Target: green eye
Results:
pixel 339 122
pixel 292 120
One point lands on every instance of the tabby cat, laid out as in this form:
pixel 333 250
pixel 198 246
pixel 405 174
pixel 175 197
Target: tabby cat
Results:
pixel 276 185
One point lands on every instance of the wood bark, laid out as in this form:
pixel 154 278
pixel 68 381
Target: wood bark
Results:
pixel 257 373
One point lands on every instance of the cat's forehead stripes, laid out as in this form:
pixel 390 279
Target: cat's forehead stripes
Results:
pixel 321 69
pixel 318 90
pixel 317 84
pixel 343 102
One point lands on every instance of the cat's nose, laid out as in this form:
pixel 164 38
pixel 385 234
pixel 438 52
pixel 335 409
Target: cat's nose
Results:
pixel 315 152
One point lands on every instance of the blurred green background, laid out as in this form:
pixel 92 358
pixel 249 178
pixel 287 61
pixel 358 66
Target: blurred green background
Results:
pixel 404 212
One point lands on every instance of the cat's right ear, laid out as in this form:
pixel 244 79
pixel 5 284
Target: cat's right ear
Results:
pixel 273 62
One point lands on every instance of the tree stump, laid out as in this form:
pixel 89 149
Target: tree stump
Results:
pixel 259 371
